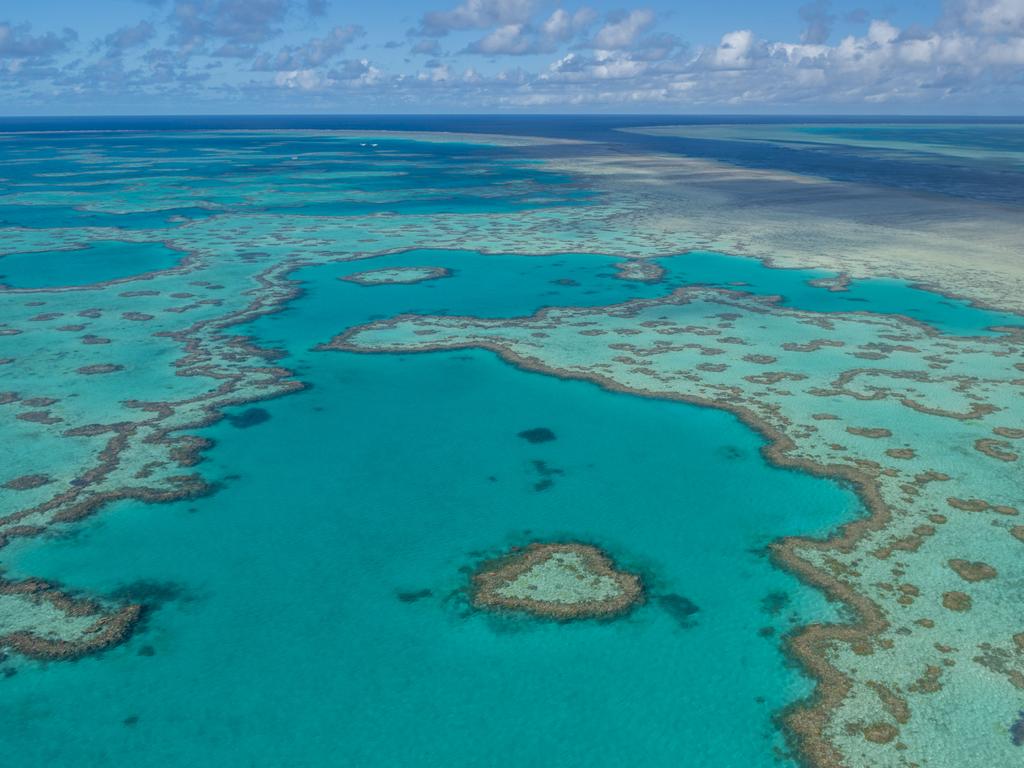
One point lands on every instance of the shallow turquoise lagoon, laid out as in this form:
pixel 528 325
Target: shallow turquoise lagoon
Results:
pixel 879 296
pixel 97 262
pixel 289 623
pixel 502 285
pixel 313 611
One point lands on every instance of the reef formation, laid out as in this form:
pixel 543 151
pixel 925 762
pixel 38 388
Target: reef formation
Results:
pixel 397 275
pixel 557 580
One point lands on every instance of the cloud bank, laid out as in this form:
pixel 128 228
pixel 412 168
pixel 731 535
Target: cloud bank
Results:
pixel 485 55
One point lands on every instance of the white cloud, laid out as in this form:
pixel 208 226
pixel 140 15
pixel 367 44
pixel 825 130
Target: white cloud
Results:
pixel 995 17
pixel 317 51
pixel 623 32
pixel 508 39
pixel 734 50
pixel 476 14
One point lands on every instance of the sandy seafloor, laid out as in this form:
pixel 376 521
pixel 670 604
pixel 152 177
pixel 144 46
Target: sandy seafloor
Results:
pixel 308 607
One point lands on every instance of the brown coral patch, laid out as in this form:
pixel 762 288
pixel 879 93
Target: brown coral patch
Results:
pixel 995 449
pixel 956 601
pixel 973 571
pixel 109 628
pixel 27 482
pixel 881 733
pixel 928 682
pixel 38 417
pixel 872 432
pixel 92 370
pixel 894 704
pixel 900 453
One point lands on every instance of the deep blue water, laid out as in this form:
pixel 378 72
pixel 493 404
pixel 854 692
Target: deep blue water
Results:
pixel 908 170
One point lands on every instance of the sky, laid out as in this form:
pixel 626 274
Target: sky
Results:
pixel 68 57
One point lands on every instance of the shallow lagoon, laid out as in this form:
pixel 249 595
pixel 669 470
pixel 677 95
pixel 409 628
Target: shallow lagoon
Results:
pixel 97 262
pixel 390 476
pixel 294 600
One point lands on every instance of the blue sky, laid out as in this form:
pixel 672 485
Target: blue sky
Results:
pixel 742 56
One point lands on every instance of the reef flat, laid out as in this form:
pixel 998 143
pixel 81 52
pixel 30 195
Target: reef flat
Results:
pixel 397 276
pixel 924 425
pixel 556 580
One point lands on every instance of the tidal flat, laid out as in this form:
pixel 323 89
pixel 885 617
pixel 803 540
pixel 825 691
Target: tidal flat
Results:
pixel 255 450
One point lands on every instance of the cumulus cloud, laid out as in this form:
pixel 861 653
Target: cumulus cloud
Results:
pixel 507 39
pixel 476 14
pixel 816 15
pixel 622 32
pixel 532 38
pixel 994 17
pixel 18 42
pixel 734 51
pixel 129 37
pixel 314 53
pixel 428 46
pixel 235 27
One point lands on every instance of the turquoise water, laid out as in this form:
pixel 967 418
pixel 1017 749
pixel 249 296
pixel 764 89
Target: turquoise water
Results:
pixel 503 285
pixel 313 610
pixel 279 597
pixel 277 603
pixel 98 261
pixel 878 296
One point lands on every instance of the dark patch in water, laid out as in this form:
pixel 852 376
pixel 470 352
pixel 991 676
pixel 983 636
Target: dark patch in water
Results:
pixel 131 720
pixel 766 631
pixel 543 469
pixel 10 672
pixel 1017 730
pixel 774 602
pixel 546 474
pixel 730 452
pixel 412 597
pixel 680 608
pixel 147 650
pixel 537 435
pixel 250 417
pixel 151 593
